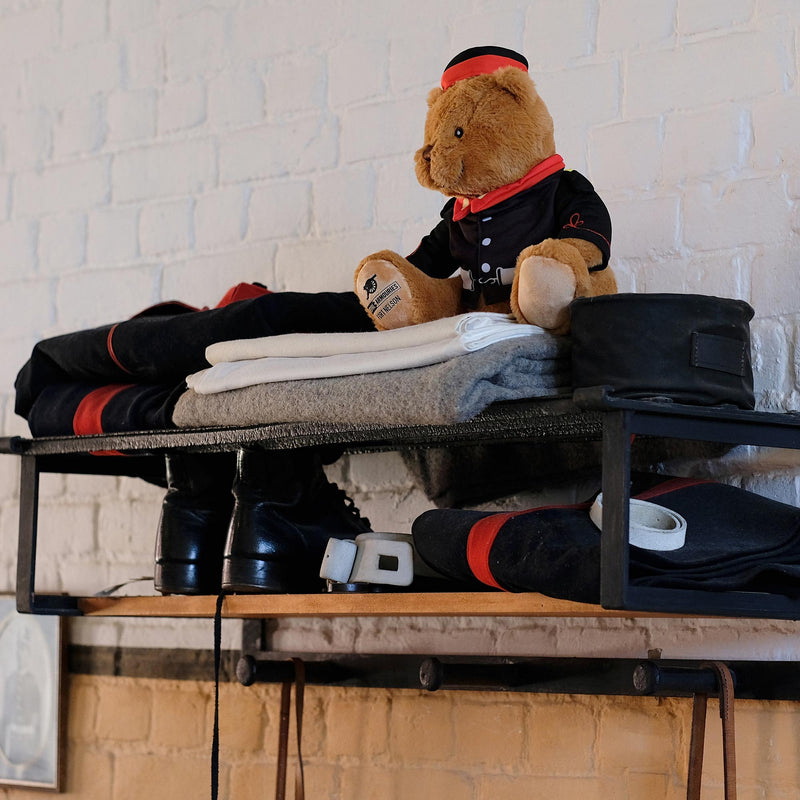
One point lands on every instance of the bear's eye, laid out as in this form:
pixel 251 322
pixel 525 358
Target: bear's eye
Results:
pixel 458 133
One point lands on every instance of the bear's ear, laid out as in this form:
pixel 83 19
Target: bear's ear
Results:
pixel 434 95
pixel 516 82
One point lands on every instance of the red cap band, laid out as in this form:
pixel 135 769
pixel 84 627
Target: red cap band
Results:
pixel 479 65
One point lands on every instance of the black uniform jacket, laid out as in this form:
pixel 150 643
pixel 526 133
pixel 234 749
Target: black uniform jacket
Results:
pixel 484 244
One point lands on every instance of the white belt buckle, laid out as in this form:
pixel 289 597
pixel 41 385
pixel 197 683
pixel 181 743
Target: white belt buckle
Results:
pixel 386 558
pixel 651 527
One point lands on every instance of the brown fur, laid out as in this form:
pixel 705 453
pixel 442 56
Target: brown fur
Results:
pixel 506 130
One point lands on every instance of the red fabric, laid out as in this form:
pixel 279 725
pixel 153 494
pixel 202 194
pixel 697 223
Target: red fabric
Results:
pixel 482 535
pixel 479 65
pixel 544 169
pixel 88 417
pixel 242 291
pixel 479 545
pixel 110 348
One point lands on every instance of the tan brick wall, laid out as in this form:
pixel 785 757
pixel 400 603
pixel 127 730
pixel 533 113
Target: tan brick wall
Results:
pixel 131 739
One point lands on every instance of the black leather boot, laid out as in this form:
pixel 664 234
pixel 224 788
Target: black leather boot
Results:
pixel 285 510
pixel 195 516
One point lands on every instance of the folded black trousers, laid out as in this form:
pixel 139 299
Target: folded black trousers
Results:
pixel 735 540
pixel 128 375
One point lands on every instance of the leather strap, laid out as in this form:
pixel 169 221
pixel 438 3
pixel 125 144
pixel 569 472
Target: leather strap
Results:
pixel 283 733
pixel 299 697
pixel 699 705
pixel 725 683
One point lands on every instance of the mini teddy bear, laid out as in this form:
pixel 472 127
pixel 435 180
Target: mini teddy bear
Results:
pixel 520 233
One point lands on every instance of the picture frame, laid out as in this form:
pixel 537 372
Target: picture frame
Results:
pixel 32 677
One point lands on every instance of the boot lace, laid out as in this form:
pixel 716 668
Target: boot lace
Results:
pixel 349 505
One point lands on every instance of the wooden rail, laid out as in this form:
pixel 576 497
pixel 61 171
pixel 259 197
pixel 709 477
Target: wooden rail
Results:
pixel 389 604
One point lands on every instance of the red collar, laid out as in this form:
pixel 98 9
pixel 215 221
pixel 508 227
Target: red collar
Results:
pixel 544 169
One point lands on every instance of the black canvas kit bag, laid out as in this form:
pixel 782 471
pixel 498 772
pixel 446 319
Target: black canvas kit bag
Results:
pixel 684 348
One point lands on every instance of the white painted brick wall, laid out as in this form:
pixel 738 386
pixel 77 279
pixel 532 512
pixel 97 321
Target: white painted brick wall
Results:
pixel 742 65
pixel 157 150
pixel 5 197
pixel 113 235
pixel 203 279
pixel 295 84
pixel 220 217
pixel 357 71
pixel 708 209
pixel 88 298
pixel 629 26
pixel 130 115
pixel 83 21
pixel 399 197
pixel 27 136
pixel 31 299
pixel 166 227
pixel 174 168
pixel 142 57
pixel 373 131
pixel 279 209
pixel 557 32
pixel 62 242
pixel 701 17
pixel 278 149
pixel 728 126
pixel 236 97
pixel 79 128
pixel 344 199
pixel 18 245
pixel 195 43
pixel 626 155
pixel 74 73
pixel 64 187
pixel 29 34
pixel 181 107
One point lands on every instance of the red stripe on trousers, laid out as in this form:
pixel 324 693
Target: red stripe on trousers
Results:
pixel 88 417
pixel 479 544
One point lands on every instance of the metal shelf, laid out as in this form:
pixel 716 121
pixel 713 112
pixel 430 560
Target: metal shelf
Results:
pixel 592 414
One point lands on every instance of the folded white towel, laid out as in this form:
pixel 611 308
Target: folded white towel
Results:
pixel 355 353
pixel 471 328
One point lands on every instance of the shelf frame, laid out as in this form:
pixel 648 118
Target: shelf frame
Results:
pixel 591 414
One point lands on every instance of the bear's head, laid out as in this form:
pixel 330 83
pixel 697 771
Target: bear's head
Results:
pixel 486 125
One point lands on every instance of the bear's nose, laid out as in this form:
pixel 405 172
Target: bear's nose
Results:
pixel 426 152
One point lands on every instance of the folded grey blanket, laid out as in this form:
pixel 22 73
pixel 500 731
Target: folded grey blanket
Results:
pixel 451 391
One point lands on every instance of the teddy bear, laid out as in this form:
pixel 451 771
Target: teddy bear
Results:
pixel 520 234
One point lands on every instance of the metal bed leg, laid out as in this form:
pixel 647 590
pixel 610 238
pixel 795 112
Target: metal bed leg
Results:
pixel 28 517
pixel 616 465
pixel 28 602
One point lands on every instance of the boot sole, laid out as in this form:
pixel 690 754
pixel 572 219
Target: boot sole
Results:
pixel 182 577
pixel 257 576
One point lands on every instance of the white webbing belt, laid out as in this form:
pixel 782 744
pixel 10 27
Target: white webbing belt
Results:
pixel 651 527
